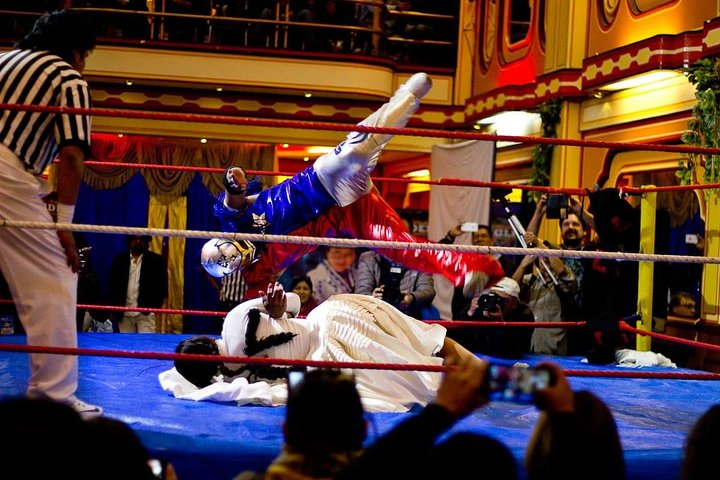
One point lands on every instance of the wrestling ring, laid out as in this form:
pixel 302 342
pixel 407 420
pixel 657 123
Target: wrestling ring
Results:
pixel 654 407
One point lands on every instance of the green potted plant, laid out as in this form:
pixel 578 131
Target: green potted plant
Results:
pixel 704 127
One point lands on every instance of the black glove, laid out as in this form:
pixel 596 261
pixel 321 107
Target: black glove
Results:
pixel 229 183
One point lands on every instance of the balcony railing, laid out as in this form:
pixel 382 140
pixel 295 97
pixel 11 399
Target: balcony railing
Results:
pixel 366 33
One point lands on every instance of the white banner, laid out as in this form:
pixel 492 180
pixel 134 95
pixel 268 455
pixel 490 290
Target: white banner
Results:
pixel 450 205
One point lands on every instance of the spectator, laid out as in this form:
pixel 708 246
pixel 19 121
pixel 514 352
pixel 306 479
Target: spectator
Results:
pixel 89 292
pixel 41 266
pixel 395 454
pixel 407 290
pixel 464 452
pixel 330 13
pixel 336 274
pixel 574 225
pixel 539 289
pixel 186 29
pixel 500 303
pixel 687 238
pixel 700 457
pixel 682 304
pixel 482 236
pixel 575 435
pixel 30 426
pixel 121 455
pixel 324 427
pixel 138 278
pixel 132 25
pixel 303 287
pixel 610 287
pixel 55 429
pixel 274 36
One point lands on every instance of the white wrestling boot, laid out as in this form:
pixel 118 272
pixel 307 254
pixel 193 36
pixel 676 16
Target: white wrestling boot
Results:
pixel 345 171
pixel 419 85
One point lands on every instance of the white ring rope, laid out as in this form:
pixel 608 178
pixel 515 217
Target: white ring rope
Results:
pixel 349 242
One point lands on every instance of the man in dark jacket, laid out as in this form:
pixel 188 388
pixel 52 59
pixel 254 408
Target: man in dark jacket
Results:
pixel 138 278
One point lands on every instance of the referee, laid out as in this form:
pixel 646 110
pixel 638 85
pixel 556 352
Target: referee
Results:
pixel 41 266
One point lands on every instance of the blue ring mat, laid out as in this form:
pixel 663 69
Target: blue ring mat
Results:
pixel 206 440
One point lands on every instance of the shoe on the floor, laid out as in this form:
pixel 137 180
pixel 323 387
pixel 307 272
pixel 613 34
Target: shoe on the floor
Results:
pixel 474 284
pixel 85 410
pixel 419 85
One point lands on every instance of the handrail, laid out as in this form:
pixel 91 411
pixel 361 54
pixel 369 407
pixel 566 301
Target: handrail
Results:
pixel 213 25
pixel 396 38
pixel 409 13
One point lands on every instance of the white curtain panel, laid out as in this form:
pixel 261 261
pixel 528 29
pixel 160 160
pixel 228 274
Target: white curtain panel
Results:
pixel 450 205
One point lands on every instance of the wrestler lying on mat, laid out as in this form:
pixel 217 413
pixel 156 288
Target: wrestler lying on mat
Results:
pixel 334 197
pixel 346 327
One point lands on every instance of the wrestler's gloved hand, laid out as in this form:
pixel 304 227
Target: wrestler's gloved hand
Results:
pixel 235 180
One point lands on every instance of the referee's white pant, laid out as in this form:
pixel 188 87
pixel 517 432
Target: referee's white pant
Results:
pixel 42 284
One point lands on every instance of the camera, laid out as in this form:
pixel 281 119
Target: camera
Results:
pixel 517 383
pixel 391 290
pixel 557 205
pixel 488 302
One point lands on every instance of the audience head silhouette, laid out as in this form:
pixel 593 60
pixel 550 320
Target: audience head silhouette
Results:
pixel 701 447
pixel 584 443
pixel 463 452
pixel 324 414
pixel 127 457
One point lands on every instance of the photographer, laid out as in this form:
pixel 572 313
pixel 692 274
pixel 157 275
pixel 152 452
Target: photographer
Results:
pixel 500 303
pixel 575 223
pixel 542 281
pixel 410 291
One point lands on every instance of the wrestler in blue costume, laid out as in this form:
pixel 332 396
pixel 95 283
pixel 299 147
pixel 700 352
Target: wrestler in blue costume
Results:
pixel 309 202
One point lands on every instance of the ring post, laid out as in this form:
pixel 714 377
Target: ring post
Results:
pixel 646 269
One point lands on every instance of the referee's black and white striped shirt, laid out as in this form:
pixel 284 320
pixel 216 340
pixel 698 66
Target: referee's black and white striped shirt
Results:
pixel 40 78
pixel 232 287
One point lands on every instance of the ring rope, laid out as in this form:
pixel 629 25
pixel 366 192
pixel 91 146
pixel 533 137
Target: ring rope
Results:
pixel 668 338
pixel 443 181
pixel 211 313
pixel 328 364
pixel 413 132
pixel 348 242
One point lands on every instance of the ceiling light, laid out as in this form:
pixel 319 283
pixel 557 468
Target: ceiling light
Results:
pixel 218 89
pixel 641 80
pixel 121 135
pixel 308 94
pixel 203 140
pixel 318 150
pixel 515 123
pixel 418 173
pixel 285 145
pixel 306 159
pixel 128 83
